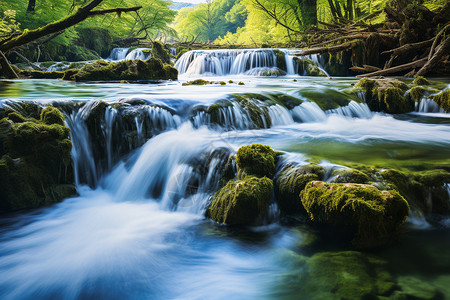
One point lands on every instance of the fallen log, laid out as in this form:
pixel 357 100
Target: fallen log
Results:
pixel 415 64
pixel 332 49
pixel 27 61
pixel 408 47
pixel 435 60
pixel 7 71
pixel 365 69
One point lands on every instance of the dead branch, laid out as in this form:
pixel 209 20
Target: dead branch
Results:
pixel 415 64
pixel 443 50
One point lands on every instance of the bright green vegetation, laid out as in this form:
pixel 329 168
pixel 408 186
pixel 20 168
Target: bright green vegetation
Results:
pixel 92 38
pixel 420 81
pixel 386 95
pixel 256 160
pixel 374 215
pixel 290 181
pixel 350 175
pixel 327 98
pixel 35 164
pixel 241 202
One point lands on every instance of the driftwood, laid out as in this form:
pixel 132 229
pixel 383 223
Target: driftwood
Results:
pixel 415 64
pixel 434 61
pixel 27 61
pixel 331 49
pixel 409 47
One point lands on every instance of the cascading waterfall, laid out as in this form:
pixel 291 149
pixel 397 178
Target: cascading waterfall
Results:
pixel 426 105
pixel 118 54
pixel 353 109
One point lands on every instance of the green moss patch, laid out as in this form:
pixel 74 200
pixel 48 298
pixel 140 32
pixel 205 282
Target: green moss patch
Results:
pixel 241 202
pixel 443 100
pixel 256 159
pixel 375 215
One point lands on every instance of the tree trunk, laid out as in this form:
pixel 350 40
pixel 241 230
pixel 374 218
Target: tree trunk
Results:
pixel 308 10
pixel 31 5
pixel 333 9
pixel 7 71
pixel 350 9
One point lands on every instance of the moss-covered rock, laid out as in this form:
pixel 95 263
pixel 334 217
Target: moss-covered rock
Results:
pixel 256 159
pixel 286 100
pixel 159 51
pixel 349 176
pixel 241 202
pixel 35 164
pixel 386 95
pixel 443 100
pixel 281 59
pixel 327 98
pixel 416 93
pixel 420 81
pixel 308 67
pixel 150 69
pixel 374 215
pixel 251 103
pixel 345 275
pixel 196 82
pixel 42 74
pixel 290 181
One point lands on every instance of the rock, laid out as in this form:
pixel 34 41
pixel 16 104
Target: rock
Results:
pixel 290 181
pixel 341 275
pixel 327 98
pixel 150 69
pixel 160 52
pixel 308 67
pixel 386 95
pixel 256 159
pixel 374 215
pixel 281 60
pixel 420 81
pixel 241 202
pixel 349 176
pixel 35 164
pixel 196 82
pixel 417 289
pixel 443 100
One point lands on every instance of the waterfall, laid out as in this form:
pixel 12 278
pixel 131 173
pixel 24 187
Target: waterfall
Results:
pixel 308 112
pixel 426 105
pixel 118 54
pixel 290 69
pixel 353 110
pixel 225 62
pixel 279 115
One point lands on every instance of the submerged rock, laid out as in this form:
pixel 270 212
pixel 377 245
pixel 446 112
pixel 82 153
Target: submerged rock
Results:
pixel 374 215
pixel 386 95
pixel 35 164
pixel 344 275
pixel 241 202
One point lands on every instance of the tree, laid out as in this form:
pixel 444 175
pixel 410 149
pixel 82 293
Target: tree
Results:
pixel 31 5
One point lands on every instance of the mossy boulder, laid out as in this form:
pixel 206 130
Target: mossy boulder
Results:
pixel 42 74
pixel 327 98
pixel 290 181
pixel 150 69
pixel 281 59
pixel 349 176
pixel 159 51
pixel 308 67
pixel 256 159
pixel 419 80
pixel 251 103
pixel 196 82
pixel 241 202
pixel 345 275
pixel 443 100
pixel 386 95
pixel 35 164
pixel 274 72
pixel 375 216
pixel 286 100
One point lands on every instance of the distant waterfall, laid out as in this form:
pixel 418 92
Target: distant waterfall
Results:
pixel 118 54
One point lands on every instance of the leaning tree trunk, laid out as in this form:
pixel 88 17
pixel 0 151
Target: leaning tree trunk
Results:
pixel 308 10
pixel 31 5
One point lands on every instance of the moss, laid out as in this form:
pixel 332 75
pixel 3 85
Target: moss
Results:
pixel 197 82
pixel 43 74
pixel 230 81
pixel 76 65
pixel 272 72
pixel 241 202
pixel 258 113
pixel 223 83
pixel 308 67
pixel 35 159
pixel 443 100
pixel 241 83
pixel 159 51
pixel 345 275
pixel 281 59
pixel 286 100
pixel 51 115
pixel 386 95
pixel 290 181
pixel 419 80
pixel 151 69
pixel 416 93
pixel 69 74
pixel 47 64
pixel 374 215
pixel 350 176
pixel 256 159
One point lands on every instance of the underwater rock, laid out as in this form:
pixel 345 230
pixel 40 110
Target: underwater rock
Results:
pixel 374 215
pixel 35 164
pixel 256 159
pixel 150 69
pixel 386 95
pixel 290 181
pixel 241 202
pixel 345 275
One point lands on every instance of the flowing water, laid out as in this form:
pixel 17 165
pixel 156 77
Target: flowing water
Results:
pixel 137 229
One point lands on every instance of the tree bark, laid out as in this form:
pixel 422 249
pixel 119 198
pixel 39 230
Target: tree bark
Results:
pixel 350 9
pixel 332 8
pixel 80 15
pixel 308 10
pixel 31 5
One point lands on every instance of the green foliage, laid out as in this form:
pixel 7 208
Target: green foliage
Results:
pixel 8 23
pixel 241 202
pixel 375 215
